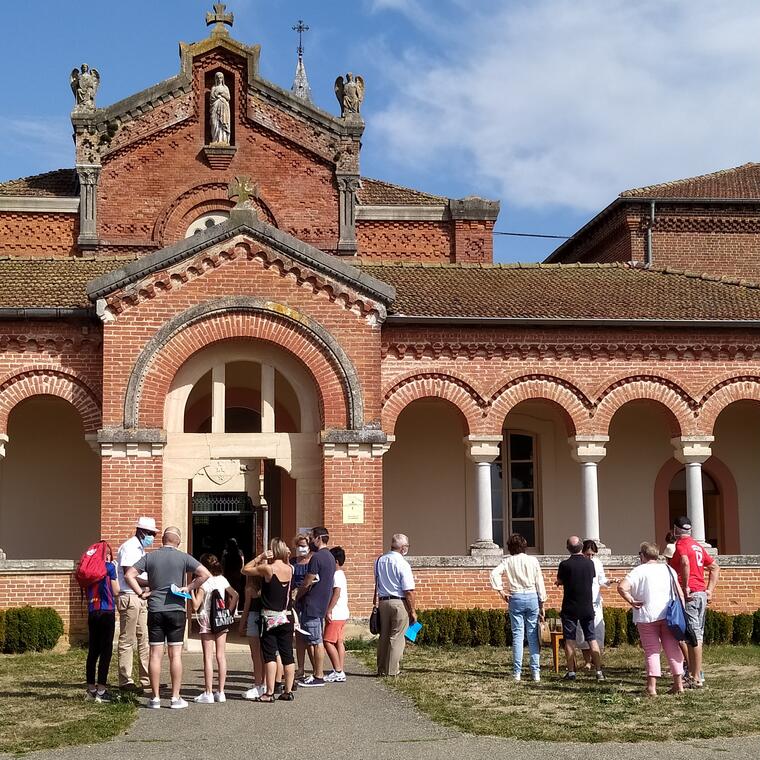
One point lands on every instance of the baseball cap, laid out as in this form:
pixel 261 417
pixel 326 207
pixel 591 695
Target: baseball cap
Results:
pixel 683 523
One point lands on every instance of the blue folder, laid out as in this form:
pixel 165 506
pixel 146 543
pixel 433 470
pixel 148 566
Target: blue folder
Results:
pixel 412 631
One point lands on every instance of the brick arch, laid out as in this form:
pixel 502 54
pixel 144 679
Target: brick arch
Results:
pixel 335 377
pixel 49 382
pixel 573 402
pixel 679 406
pixel 725 393
pixel 432 385
pixel 177 216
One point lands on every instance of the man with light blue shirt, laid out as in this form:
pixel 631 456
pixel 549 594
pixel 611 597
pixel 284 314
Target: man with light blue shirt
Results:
pixel 395 599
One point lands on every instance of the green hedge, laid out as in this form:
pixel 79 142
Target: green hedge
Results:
pixel 29 629
pixel 475 627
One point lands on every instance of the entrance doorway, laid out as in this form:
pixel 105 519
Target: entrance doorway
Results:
pixel 713 505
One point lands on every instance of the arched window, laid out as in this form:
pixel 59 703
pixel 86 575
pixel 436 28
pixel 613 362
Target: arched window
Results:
pixel 202 223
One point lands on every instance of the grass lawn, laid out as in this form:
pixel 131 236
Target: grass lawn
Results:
pixel 472 690
pixel 42 704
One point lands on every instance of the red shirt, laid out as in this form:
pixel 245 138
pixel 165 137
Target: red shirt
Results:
pixel 686 546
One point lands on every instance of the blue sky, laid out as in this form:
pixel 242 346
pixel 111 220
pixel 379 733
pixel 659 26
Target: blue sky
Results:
pixel 551 106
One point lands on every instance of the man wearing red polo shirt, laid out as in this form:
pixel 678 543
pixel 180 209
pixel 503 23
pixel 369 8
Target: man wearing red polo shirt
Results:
pixel 689 560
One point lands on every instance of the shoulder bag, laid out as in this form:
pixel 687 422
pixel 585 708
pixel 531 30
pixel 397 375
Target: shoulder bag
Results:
pixel 374 617
pixel 675 615
pixel 221 617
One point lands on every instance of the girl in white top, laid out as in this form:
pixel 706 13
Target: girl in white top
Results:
pixel 649 588
pixel 335 620
pixel 526 597
pixel 213 643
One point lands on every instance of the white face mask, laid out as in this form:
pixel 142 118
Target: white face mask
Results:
pixel 405 551
pixel 302 551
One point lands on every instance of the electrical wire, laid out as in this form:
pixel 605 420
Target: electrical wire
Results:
pixel 533 235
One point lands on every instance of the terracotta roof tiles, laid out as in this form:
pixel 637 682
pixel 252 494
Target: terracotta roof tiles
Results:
pixel 61 183
pixel 740 182
pixel 374 192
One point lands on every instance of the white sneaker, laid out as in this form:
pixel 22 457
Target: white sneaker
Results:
pixel 154 702
pixel 179 704
pixel 204 698
pixel 536 676
pixel 253 693
pixel 339 677
pixel 219 696
pixel 517 677
pixel 331 677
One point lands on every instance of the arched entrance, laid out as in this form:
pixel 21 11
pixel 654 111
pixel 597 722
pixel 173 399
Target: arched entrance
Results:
pixel 713 505
pixel 242 458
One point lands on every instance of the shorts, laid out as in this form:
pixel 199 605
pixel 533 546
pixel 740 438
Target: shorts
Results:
pixel 166 627
pixel 278 640
pixel 696 609
pixel 253 624
pixel 334 631
pixel 570 628
pixel 313 628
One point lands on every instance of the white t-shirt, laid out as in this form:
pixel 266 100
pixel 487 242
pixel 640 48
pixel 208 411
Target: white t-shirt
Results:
pixel 394 575
pixel 340 610
pixel 214 583
pixel 130 552
pixel 650 583
pixel 600 579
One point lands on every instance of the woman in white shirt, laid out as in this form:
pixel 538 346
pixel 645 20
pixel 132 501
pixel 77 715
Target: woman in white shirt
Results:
pixel 649 588
pixel 526 597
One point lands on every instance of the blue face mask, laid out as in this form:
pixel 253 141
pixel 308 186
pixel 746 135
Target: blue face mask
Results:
pixel 147 541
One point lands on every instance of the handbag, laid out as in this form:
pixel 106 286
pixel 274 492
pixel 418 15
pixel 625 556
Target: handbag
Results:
pixel 374 616
pixel 544 634
pixel 221 617
pixel 675 615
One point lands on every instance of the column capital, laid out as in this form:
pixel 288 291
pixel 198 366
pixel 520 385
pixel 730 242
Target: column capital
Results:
pixel 483 448
pixel 692 449
pixel 128 442
pixel 3 441
pixel 588 448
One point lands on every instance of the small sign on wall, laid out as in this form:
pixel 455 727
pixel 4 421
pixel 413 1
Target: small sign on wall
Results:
pixel 353 508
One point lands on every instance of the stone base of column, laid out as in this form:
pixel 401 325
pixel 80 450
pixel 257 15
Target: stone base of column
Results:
pixel 603 549
pixel 485 549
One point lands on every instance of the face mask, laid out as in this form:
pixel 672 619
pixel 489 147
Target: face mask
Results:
pixel 146 541
pixel 302 550
pixel 405 551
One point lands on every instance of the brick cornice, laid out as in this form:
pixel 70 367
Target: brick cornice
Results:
pixel 49 344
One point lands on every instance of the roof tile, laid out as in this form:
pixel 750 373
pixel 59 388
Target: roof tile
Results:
pixel 61 183
pixel 740 182
pixel 374 192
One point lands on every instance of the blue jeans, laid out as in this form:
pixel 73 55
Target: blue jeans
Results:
pixel 523 615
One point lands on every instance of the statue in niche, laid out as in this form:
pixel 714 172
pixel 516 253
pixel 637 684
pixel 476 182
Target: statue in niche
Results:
pixel 350 94
pixel 219 111
pixel 84 84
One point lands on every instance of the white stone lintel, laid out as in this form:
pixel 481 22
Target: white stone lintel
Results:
pixel 588 448
pixel 482 448
pixel 142 450
pixel 692 449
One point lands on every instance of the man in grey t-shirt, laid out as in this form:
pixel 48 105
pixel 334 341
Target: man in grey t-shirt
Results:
pixel 166 610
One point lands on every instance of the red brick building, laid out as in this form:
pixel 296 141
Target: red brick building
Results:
pixel 243 337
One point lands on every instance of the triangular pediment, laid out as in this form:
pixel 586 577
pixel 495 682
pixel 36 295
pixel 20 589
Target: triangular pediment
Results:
pixel 244 223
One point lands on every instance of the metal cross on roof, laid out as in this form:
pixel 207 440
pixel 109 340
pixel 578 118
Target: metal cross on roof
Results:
pixel 300 27
pixel 220 17
pixel 242 189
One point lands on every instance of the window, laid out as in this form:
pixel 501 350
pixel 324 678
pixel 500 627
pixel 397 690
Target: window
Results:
pixel 516 507
pixel 206 221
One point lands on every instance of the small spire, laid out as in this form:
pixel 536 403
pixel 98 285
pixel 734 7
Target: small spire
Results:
pixel 300 86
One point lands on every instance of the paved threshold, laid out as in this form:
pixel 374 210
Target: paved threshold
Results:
pixel 359 719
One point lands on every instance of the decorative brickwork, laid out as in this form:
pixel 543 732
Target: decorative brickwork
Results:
pixel 397 241
pixel 38 235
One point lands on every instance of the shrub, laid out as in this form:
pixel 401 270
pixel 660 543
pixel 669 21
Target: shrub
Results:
pixel 462 629
pixel 481 630
pixel 743 629
pixel 631 630
pixel 497 625
pixel 29 629
pixel 610 626
pixel 756 628
pixel 621 627
pixel 2 630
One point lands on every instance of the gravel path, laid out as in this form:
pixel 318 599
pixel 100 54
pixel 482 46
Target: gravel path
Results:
pixel 359 719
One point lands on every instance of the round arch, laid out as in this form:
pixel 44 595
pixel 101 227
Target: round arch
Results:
pixel 341 399
pixel 673 399
pixel 725 393
pixel 726 483
pixel 50 382
pixel 432 385
pixel 571 400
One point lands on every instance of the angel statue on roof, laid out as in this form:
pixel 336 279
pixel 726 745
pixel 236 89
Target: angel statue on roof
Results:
pixel 84 84
pixel 219 113
pixel 350 94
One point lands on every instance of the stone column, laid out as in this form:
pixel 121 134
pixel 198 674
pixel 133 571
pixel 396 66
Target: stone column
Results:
pixel 89 174
pixel 348 184
pixel 267 398
pixel 3 441
pixel 483 450
pixel 589 450
pixel 218 398
pixel 692 451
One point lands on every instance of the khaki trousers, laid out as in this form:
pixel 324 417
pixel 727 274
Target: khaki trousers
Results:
pixel 394 620
pixel 133 630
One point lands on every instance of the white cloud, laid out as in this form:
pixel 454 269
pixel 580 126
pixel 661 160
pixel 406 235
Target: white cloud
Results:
pixel 46 143
pixel 558 103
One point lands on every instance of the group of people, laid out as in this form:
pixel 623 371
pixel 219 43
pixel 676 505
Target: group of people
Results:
pixel 305 594
pixel 649 589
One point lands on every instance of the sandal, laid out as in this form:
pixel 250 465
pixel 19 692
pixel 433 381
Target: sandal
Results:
pixel 266 697
pixel 286 696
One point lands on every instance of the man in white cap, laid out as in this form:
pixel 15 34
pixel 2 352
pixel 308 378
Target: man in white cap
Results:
pixel 133 607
